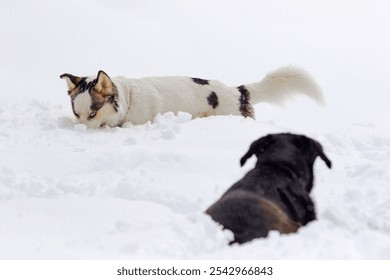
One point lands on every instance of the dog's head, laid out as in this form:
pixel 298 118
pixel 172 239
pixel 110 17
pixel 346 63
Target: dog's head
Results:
pixel 286 147
pixel 94 99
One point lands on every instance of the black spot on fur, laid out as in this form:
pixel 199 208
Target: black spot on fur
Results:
pixel 246 108
pixel 113 99
pixel 212 99
pixel 200 81
pixel 84 86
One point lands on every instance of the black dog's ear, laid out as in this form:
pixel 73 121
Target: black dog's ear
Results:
pixel 307 144
pixel 322 155
pixel 258 147
pixel 246 157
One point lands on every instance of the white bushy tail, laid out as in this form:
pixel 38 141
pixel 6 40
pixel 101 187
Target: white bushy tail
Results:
pixel 282 84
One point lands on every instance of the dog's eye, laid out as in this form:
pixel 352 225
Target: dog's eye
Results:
pixel 92 114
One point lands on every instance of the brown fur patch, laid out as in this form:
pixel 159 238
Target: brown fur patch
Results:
pixel 108 94
pixel 73 93
pixel 103 91
pixel 97 100
pixel 276 218
pixel 205 114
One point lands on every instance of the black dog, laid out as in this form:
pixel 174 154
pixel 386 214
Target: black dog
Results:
pixel 275 194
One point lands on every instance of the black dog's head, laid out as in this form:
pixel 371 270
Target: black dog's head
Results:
pixel 288 148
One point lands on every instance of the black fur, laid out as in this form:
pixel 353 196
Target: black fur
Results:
pixel 84 86
pixel 246 108
pixel 275 194
pixel 212 99
pixel 113 99
pixel 200 81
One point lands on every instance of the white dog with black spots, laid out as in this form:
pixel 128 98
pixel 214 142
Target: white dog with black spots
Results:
pixel 100 100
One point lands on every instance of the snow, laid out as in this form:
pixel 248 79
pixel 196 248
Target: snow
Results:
pixel 140 192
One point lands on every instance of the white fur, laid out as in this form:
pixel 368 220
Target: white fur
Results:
pixel 140 100
pixel 150 96
pixel 279 85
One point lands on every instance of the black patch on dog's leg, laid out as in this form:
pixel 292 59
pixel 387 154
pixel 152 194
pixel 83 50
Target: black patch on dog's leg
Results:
pixel 200 81
pixel 246 108
pixel 212 99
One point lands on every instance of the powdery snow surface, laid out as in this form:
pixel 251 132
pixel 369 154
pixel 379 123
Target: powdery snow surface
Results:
pixel 140 192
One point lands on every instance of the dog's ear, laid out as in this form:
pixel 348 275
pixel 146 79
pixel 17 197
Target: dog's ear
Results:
pixel 322 155
pixel 305 143
pixel 71 81
pixel 103 83
pixel 258 147
pixel 246 157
